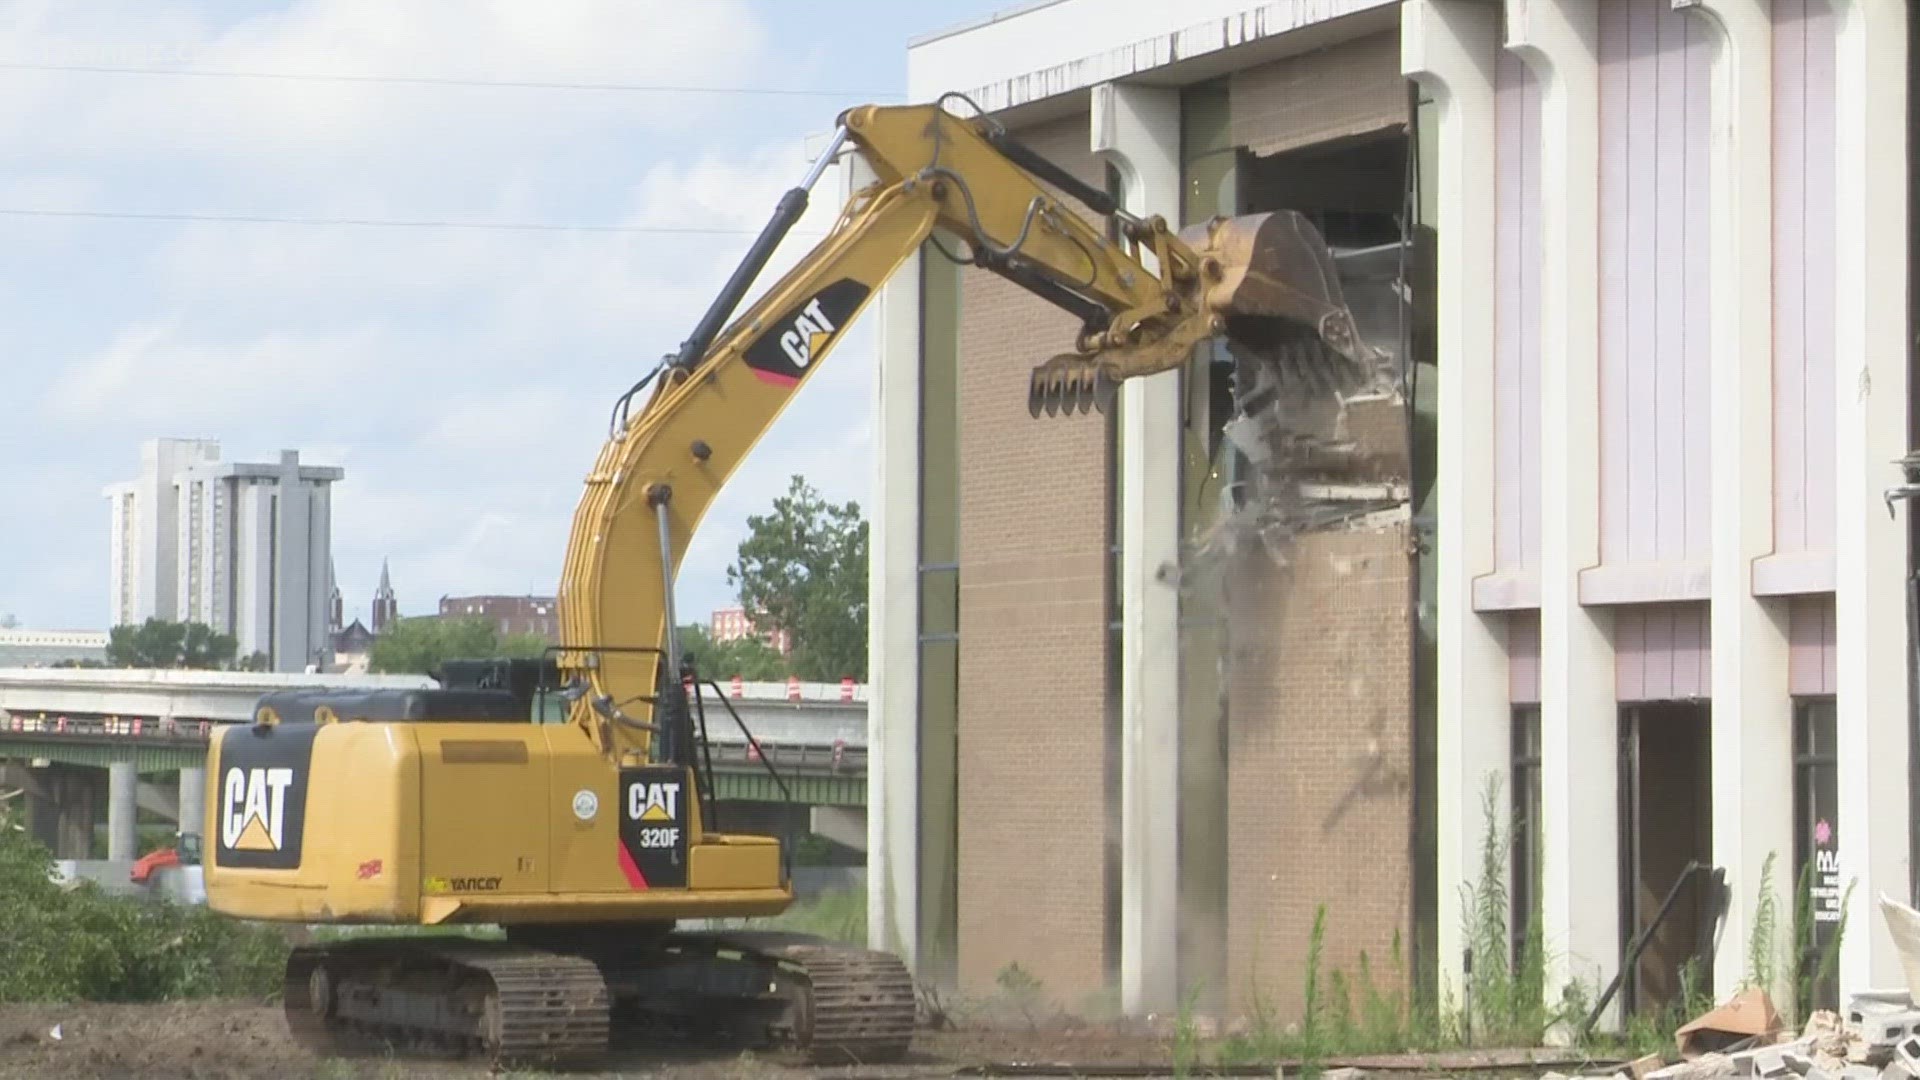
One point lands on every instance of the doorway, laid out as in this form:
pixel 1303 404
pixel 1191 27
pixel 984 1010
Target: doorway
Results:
pixel 1666 824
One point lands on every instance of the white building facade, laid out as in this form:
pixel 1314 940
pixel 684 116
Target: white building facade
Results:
pixel 1667 366
pixel 244 548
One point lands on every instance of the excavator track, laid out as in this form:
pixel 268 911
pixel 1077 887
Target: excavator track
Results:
pixel 463 997
pixel 845 1005
pixel 511 1004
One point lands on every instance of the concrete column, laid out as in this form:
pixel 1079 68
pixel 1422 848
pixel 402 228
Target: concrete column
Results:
pixel 193 801
pixel 1870 286
pixel 893 743
pixel 60 809
pixel 1579 804
pixel 123 810
pixel 1137 130
pixel 1450 48
pixel 1752 710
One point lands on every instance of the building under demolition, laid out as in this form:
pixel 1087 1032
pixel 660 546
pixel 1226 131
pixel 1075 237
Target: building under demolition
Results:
pixel 1616 533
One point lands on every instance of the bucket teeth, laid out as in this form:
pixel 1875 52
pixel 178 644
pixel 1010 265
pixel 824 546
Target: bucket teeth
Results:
pixel 1070 384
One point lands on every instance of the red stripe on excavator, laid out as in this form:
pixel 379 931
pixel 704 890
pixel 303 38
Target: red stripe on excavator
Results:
pixel 777 380
pixel 628 867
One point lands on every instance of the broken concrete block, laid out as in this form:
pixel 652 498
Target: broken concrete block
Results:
pixel 1680 1071
pixel 1798 1057
pixel 1344 1074
pixel 1895 1070
pixel 1907 1051
pixel 1770 1063
pixel 1888 1028
pixel 1859 1072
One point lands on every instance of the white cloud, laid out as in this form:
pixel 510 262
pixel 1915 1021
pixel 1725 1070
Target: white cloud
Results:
pixel 461 378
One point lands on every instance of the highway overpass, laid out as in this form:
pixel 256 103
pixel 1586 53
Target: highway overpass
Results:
pixel 60 728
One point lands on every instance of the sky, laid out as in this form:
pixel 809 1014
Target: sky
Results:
pixel 460 376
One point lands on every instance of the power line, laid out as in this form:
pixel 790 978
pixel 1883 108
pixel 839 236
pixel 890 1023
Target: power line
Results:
pixel 435 80
pixel 379 223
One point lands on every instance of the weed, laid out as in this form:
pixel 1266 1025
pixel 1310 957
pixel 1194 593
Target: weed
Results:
pixel 1023 991
pixel 1762 969
pixel 1186 1038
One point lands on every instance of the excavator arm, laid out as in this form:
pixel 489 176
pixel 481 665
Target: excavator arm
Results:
pixel 1145 298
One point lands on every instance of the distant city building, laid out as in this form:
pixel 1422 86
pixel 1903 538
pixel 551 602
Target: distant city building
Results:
pixel 534 615
pixel 244 548
pixel 46 648
pixel 352 648
pixel 386 609
pixel 732 624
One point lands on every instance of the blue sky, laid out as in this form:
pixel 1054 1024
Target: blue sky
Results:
pixel 461 377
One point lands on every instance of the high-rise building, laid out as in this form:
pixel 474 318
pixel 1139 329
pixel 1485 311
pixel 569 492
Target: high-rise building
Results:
pixel 144 547
pixel 244 548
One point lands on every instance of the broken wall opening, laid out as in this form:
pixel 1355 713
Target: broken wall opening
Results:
pixel 1296 600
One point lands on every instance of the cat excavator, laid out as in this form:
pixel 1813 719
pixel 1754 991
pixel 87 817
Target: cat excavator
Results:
pixel 556 855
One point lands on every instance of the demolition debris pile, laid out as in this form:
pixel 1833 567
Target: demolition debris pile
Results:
pixel 1876 1038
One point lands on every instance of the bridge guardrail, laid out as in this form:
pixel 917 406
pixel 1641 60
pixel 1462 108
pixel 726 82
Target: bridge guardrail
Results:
pixel 834 758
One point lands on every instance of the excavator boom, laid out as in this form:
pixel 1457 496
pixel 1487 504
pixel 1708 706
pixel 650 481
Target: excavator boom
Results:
pixel 1145 298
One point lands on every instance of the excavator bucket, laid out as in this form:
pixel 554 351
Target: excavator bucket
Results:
pixel 1279 290
pixel 1268 285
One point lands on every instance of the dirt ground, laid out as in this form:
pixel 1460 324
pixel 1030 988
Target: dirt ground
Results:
pixel 242 1040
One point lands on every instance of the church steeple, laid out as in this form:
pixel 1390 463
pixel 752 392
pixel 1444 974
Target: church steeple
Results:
pixel 386 610
pixel 336 610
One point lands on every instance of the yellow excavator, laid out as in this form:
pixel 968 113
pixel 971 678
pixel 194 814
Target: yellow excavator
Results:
pixel 587 842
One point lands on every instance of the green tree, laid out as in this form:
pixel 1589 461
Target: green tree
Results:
pixel 163 643
pixel 418 645
pixel 803 569
pixel 751 658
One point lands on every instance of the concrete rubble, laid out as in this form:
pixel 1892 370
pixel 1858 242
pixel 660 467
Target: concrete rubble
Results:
pixel 1878 1038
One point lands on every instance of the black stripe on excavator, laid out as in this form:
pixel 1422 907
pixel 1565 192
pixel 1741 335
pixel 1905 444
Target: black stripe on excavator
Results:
pixel 1100 202
pixel 786 347
pixel 263 795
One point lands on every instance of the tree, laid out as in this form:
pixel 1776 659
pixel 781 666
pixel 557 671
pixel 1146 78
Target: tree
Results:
pixel 418 645
pixel 803 569
pixel 750 658
pixel 163 643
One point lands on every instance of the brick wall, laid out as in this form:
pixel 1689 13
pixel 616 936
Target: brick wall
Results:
pixel 1345 89
pixel 1319 762
pixel 1032 821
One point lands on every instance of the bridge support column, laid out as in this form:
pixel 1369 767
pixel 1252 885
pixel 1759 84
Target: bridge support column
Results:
pixel 844 825
pixel 123 810
pixel 60 808
pixel 193 801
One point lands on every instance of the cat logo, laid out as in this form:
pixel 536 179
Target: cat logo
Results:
pixel 810 330
pixel 253 808
pixel 654 802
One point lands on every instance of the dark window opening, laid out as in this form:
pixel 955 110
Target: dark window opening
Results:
pixel 1525 834
pixel 1666 822
pixel 1816 847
